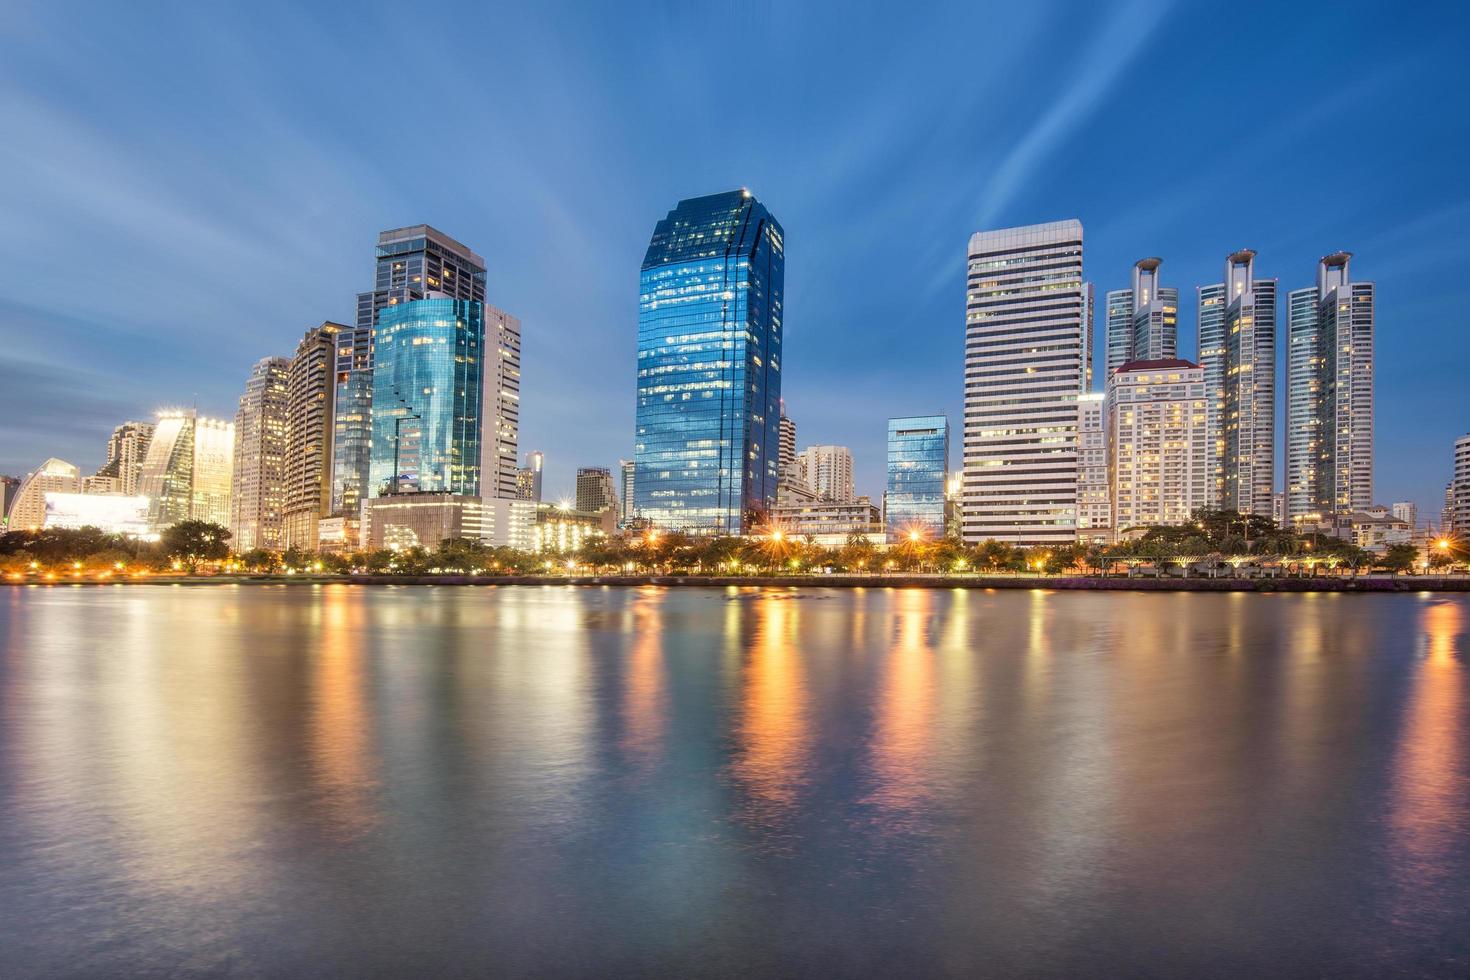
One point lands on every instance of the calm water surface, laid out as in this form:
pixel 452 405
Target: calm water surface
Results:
pixel 334 781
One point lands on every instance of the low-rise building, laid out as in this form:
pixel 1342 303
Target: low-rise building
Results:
pixel 408 520
pixel 828 522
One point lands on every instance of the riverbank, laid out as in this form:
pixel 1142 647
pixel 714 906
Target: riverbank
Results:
pixel 1350 584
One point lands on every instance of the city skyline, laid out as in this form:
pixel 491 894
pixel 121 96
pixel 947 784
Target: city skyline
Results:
pixel 301 224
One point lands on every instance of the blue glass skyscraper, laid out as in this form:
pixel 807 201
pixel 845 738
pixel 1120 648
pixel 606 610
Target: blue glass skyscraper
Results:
pixel 427 385
pixel 918 466
pixel 706 450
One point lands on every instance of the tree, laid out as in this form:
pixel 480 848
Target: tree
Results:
pixel 192 542
pixel 1400 558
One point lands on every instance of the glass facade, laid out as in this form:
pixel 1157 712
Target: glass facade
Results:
pixel 707 442
pixel 426 413
pixel 918 466
pixel 412 264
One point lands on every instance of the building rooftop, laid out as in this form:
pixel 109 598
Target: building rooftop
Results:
pixel 1160 364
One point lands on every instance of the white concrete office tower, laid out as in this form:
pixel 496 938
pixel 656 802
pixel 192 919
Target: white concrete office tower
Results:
pixel 1158 449
pixel 1456 516
pixel 1094 509
pixel 626 470
pixel 258 474
pixel 1329 393
pixel 125 451
pixel 1143 321
pixel 1237 349
pixel 501 404
pixel 186 474
pixel 828 472
pixel 1026 325
pixel 1406 511
pixel 28 507
pixel 310 400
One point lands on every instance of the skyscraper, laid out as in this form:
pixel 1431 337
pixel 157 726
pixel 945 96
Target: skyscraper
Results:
pixel 310 398
pixel 1329 393
pixel 1456 516
pixel 1237 344
pixel 1143 321
pixel 706 446
pixel 126 449
pixel 787 453
pixel 501 403
pixel 1157 447
pixel 27 511
pixel 413 263
pixel 918 467
pixel 595 489
pixel 186 474
pixel 427 385
pixel 1027 321
pixel 258 475
pixel 528 477
pixel 828 472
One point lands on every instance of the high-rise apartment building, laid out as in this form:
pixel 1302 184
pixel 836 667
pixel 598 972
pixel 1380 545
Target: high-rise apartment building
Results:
pixel 27 510
pixel 414 263
pixel 426 410
pixel 1456 516
pixel 1329 393
pixel 1237 344
pixel 707 439
pixel 595 489
pixel 1094 501
pixel 1158 447
pixel 528 477
pixel 787 453
pixel 187 472
pixel 501 403
pixel 918 470
pixel 258 475
pixel 9 487
pixel 311 393
pixel 1143 321
pixel 1406 511
pixel 126 450
pixel 828 472
pixel 1027 329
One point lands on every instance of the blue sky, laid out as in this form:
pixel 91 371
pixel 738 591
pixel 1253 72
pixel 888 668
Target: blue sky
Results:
pixel 185 189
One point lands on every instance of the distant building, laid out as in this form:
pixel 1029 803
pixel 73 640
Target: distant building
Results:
pixel 111 513
pixel 918 470
pixel 1329 391
pixel 426 519
pixel 626 478
pixel 564 530
pixel 102 486
pixel 9 487
pixel 829 523
pixel 1094 500
pixel 828 472
pixel 787 453
pixel 501 405
pixel 1278 508
pixel 187 472
pixel 426 413
pixel 27 510
pixel 1025 293
pixel 307 472
pixel 707 437
pixel 1407 512
pixel 126 450
pixel 528 477
pixel 1158 453
pixel 411 264
pixel 595 489
pixel 1237 349
pixel 258 480
pixel 1143 321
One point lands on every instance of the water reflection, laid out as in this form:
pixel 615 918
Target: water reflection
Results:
pixel 771 733
pixel 903 764
pixel 644 703
pixel 342 760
